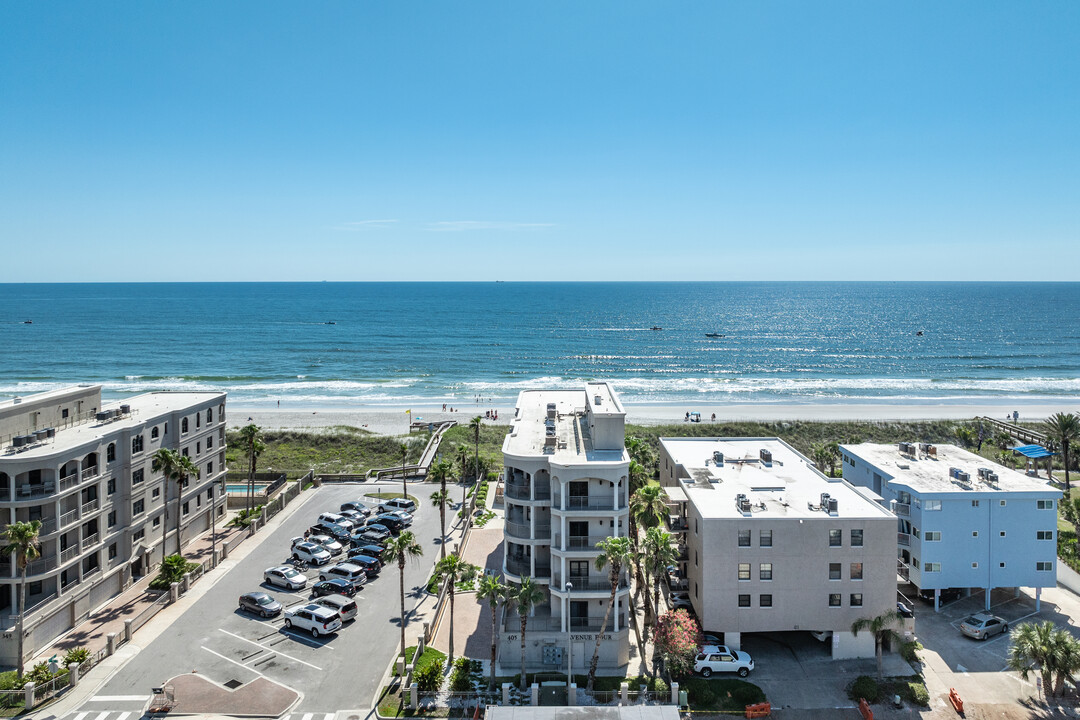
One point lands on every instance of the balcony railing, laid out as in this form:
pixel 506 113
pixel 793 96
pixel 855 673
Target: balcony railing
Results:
pixel 554 624
pixel 69 554
pixel 89 541
pixel 903 509
pixel 903 570
pixel 903 539
pixel 41 565
pixel 69 481
pixel 48 526
pixel 89 472
pixel 68 518
pixel 520 491
pixel 542 531
pixel 579 542
pixel 589 502
pixel 678 524
pixel 590 584
pixel 91 506
pixel 522 566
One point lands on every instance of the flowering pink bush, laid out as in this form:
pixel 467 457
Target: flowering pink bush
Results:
pixel 677 637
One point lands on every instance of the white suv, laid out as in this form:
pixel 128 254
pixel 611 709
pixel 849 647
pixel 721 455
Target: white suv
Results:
pixel 316 619
pixel 309 552
pixel 718 658
pixel 285 576
pixel 398 504
pixel 345 571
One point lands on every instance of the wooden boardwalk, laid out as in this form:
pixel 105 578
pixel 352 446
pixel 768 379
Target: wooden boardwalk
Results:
pixel 421 468
pixel 1017 431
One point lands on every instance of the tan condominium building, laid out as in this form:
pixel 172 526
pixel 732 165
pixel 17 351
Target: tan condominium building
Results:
pixel 565 488
pixel 772 545
pixel 84 469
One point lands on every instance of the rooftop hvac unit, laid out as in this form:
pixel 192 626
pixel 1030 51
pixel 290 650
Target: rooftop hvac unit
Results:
pixel 101 416
pixel 923 447
pixel 931 450
pixel 718 457
pixel 125 409
pixel 954 471
pixel 902 447
pixel 963 477
pixel 766 456
pixel 18 441
pixel 551 411
pixel 40 435
pixel 983 472
pixel 51 432
pixel 833 506
pixel 825 501
pixel 742 503
pixel 597 399
pixel 991 476
pixel 549 441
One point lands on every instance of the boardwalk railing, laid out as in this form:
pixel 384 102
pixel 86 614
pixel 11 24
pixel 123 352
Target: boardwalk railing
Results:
pixel 1017 431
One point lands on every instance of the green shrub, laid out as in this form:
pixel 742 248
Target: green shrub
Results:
pixel 429 678
pixel 918 694
pixel 909 651
pixel 747 694
pixel 702 697
pixel 76 655
pixel 864 687
pixel 172 570
pixel 464 674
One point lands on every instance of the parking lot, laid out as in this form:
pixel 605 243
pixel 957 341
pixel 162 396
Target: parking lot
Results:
pixel 232 647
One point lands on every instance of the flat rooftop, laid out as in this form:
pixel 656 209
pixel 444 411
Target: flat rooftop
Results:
pixel 788 486
pixel 583 712
pixel 143 409
pixel 928 474
pixel 529 435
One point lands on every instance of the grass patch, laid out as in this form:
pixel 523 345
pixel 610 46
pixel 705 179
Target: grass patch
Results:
pixel 911 689
pixel 339 449
pixel 483 519
pixel 724 694
pixel 430 655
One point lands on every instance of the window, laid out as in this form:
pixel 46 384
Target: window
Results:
pixel 34 588
pixel 198 500
pixel 931 505
pixel 856 599
pixel 933 536
pixel 765 538
pixel 184 483
pixel 183 426
pixel 210 468
pixel 974 566
pixel 154 433
pixel 138 507
pixel 112 551
pixel 198 448
pixel 1044 535
pixel 138 535
pixel 834 599
pixel 209 415
pixel 185 452
pixel 209 442
pixel 974 533
pixel 856 571
pixel 156 493
pixel 1044 504
pixel 110 486
pixel 186 508
pixel 834 571
pixel 974 503
pixel 914 531
pixel 111 522
pixel 1043 566
pixel 579 569
pixel 695 558
pixel 836 538
pixel 165 429
pixel 1001 503
pixel 765 571
pixel 110 453
pixel 1001 565
pixel 744 571
pixel 744 538
pixel 136 444
pixel 221 412
pixel 932 567
pixel 137 476
pixel 157 521
pixel 64 414
pixel 198 420
pixel 695 590
pixel 915 562
pixel 1002 533
pixel 856 537
pixel 744 601
pixel 764 600
pixel 695 526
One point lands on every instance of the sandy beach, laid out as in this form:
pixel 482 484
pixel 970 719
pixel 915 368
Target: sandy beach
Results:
pixel 395 420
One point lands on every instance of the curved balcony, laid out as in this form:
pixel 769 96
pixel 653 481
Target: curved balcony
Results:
pixel 577 543
pixel 585 503
pixel 591 585
pixel 523 492
pixel 521 567
pixel 523 531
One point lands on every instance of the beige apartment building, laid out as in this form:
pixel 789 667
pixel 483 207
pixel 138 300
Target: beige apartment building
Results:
pixel 83 469
pixel 772 545
pixel 565 488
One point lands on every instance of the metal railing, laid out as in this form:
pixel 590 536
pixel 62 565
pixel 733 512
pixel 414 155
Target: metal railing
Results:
pixel 144 617
pixel 48 526
pixel 903 539
pixel 589 584
pixel 89 541
pixel 517 566
pixel 588 502
pixel 69 553
pixel 89 507
pixel 68 518
pixel 89 472
pixel 521 491
pixel 41 565
pixel 579 542
pixel 68 482
pixel 903 509
pixel 542 531
pixel 903 570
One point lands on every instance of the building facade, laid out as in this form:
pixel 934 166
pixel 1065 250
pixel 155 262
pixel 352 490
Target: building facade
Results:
pixel 85 471
pixel 772 545
pixel 565 488
pixel 962 521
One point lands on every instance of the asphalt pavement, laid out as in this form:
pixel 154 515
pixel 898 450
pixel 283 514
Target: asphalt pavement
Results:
pixel 232 647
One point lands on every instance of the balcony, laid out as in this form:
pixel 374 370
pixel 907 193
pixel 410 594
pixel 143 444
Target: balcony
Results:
pixel 32 492
pixel 521 567
pixel 69 554
pixel 69 481
pixel 903 539
pixel 521 491
pixel 48 526
pixel 89 472
pixel 589 502
pixel 68 518
pixel 89 507
pixel 579 542
pixel 590 584
pixel 903 509
pixel 89 541
pixel 41 565
pixel 524 531
pixel 678 524
pixel 903 570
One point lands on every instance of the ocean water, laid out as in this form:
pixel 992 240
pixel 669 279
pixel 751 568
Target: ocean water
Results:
pixel 397 343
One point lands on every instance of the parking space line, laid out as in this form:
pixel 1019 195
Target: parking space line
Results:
pixel 117 698
pixel 263 647
pixel 330 716
pixel 305 640
pixel 103 715
pixel 232 661
pixel 124 716
pixel 81 716
pixel 308 716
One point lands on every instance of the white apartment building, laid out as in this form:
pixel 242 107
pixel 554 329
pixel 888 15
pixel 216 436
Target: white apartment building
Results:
pixel 772 545
pixel 962 521
pixel 84 470
pixel 566 483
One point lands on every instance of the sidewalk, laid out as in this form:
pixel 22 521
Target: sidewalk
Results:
pixel 93 633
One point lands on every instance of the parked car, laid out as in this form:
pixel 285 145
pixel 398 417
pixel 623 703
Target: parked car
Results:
pixel 343 606
pixel 945 594
pixel 378 525
pixel 391 522
pixel 327 543
pixel 371 565
pixel 373 533
pixel 346 571
pixel 398 504
pixel 261 604
pixel 316 619
pixel 337 531
pixel 401 515
pixel 357 518
pixel 372 550
pixel 285 576
pixel 983 625
pixel 356 506
pixel 904 610
pixel 721 659
pixel 336 586
pixel 309 552
pixel 681 600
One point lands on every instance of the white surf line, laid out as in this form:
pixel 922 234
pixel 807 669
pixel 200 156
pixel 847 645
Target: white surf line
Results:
pixel 117 698
pixel 230 660
pixel 269 649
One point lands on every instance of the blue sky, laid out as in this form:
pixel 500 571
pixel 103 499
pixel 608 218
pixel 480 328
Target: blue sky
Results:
pixel 555 140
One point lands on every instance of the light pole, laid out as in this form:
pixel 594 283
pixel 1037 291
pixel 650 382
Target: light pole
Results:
pixel 569 640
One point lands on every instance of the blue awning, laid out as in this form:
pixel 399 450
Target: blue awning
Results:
pixel 1033 451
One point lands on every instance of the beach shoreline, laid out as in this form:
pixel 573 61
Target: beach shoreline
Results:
pixel 385 420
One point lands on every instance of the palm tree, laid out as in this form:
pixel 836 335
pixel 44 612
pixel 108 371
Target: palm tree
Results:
pixel 404 450
pixel 494 592
pixel 1033 645
pixel 21 538
pixel 402 548
pixel 440 499
pixel 640 451
pixel 251 440
pixel 647 506
pixel 454 569
pixel 659 553
pixel 639 477
pixel 462 451
pixel 1066 660
pixel 167 462
pixel 616 552
pixel 185 468
pixel 525 596
pixel 476 423
pixel 883 627
pixel 1064 429
pixel 821 456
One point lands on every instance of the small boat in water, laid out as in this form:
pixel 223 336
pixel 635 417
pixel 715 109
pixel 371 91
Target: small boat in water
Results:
pixel 330 322
pixel 27 322
pixel 918 334
pixel 713 335
pixel 656 327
